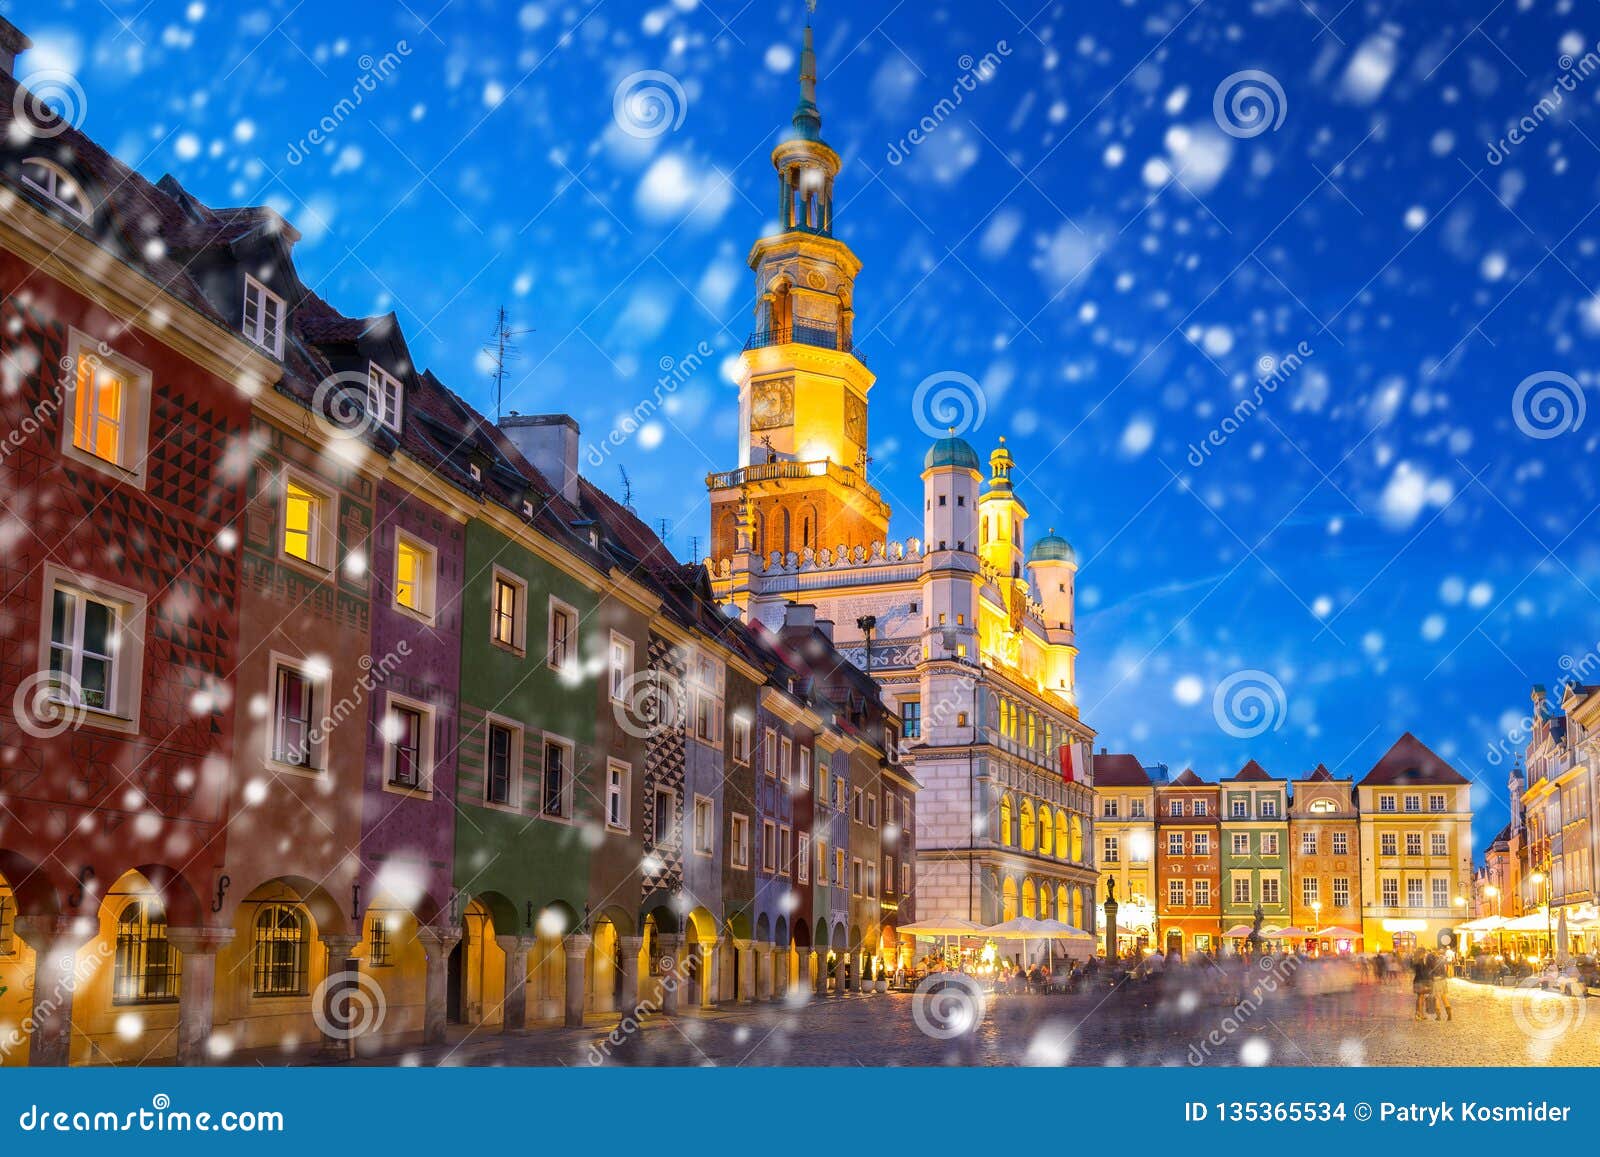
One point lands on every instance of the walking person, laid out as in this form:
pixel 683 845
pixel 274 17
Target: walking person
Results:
pixel 1441 986
pixel 1421 981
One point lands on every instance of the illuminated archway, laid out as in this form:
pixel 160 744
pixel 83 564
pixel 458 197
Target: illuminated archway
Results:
pixel 1077 908
pixel 1030 900
pixel 1077 841
pixel 1008 900
pixel 1063 841
pixel 1047 843
pixel 1005 820
pixel 1028 831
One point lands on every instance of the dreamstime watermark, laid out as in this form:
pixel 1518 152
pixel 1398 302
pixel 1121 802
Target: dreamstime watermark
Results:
pixel 374 71
pixel 160 1117
pixel 1582 669
pixel 670 978
pixel 650 703
pixel 948 404
pixel 48 103
pixel 374 674
pixel 347 1005
pixel 1274 972
pixel 48 704
pixel 947 1005
pixel 1548 404
pixel 72 976
pixel 1546 1017
pixel 54 402
pixel 1573 73
pixel 343 404
pixel 973 74
pixel 648 103
pixel 1249 103
pixel 674 373
pixel 1271 374
pixel 1249 703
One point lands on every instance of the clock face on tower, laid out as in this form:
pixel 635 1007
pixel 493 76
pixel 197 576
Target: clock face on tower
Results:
pixel 855 419
pixel 772 404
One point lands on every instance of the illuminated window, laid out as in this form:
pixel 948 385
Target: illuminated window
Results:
pixel 741 741
pixel 280 951
pixel 145 970
pixel 8 912
pixel 506 623
pixel 838 868
pixel 383 396
pixel 804 769
pixel 56 185
pixel 739 841
pixel 305 522
pixel 105 424
pixel 802 858
pixel 378 951
pixel 414 576
pixel 263 316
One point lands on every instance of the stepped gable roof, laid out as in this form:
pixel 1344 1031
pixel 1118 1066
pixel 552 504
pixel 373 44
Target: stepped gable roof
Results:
pixel 1409 762
pixel 1119 771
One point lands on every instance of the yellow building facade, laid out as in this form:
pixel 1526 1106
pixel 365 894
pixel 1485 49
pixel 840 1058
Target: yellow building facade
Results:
pixel 1125 837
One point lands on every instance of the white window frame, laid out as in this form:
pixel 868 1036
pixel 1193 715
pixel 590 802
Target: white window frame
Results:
pixel 739 841
pixel 1174 843
pixel 708 677
pixel 1269 843
pixel 1236 881
pixel 519 614
pixel 260 333
pixel 1110 850
pixel 426 744
pixel 133 420
pixel 1388 843
pixel 383 388
pixel 1202 843
pixel 704 805
pixel 802 858
pixel 785 759
pixel 785 850
pixel 769 752
pixel 739 737
pixel 769 847
pixel 323 530
pixel 1176 893
pixel 317 680
pixel 568 794
pixel 1438 844
pixel 513 800
pixel 1308 842
pixel 1341 843
pixel 51 187
pixel 568 662
pixel 127 659
pixel 804 768
pixel 1274 886
pixel 427 581
pixel 1202 893
pixel 1414 841
pixel 1439 893
pixel 1241 843
pixel 619 662
pixel 619 791
pixel 1341 884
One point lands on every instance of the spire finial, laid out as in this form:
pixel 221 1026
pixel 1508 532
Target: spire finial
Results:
pixel 807 118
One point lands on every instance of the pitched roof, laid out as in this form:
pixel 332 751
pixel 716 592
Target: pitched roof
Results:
pixel 1410 762
pixel 1320 774
pixel 1252 772
pixel 1119 771
pixel 1187 778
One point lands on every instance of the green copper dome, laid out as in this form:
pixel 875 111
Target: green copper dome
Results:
pixel 1052 548
pixel 950 451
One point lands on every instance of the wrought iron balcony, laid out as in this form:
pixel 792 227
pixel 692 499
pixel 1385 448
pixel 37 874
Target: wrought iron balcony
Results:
pixel 819 336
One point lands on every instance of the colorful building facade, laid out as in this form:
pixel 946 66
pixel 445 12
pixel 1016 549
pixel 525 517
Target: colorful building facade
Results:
pixel 1255 858
pixel 1188 865
pixel 1325 861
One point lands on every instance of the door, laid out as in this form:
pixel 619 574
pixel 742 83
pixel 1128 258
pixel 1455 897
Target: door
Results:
pixel 452 999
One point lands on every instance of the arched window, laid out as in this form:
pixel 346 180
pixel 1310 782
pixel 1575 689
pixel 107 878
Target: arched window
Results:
pixel 1064 905
pixel 1077 843
pixel 281 951
pixel 1077 908
pixel 1008 900
pixel 1047 842
pixel 1044 901
pixel 788 543
pixel 145 969
pixel 1005 820
pixel 1028 832
pixel 1063 842
pixel 57 186
pixel 1030 900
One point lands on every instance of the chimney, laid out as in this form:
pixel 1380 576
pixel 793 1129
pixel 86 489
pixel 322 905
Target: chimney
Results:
pixel 799 616
pixel 550 442
pixel 826 627
pixel 12 41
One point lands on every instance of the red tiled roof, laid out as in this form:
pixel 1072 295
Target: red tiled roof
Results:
pixel 1187 778
pixel 1410 761
pixel 1251 772
pixel 1119 771
pixel 1320 774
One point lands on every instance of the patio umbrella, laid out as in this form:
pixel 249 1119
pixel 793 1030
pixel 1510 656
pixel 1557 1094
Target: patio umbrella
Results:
pixel 1289 933
pixel 1238 932
pixel 941 929
pixel 1338 932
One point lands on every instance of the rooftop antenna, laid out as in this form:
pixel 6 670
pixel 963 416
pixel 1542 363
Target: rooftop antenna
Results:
pixel 694 546
pixel 664 531
pixel 502 352
pixel 627 486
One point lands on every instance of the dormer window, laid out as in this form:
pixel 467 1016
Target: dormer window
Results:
pixel 56 185
pixel 477 472
pixel 527 509
pixel 383 396
pixel 263 316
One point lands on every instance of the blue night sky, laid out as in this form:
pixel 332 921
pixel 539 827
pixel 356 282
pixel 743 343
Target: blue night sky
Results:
pixel 1383 538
